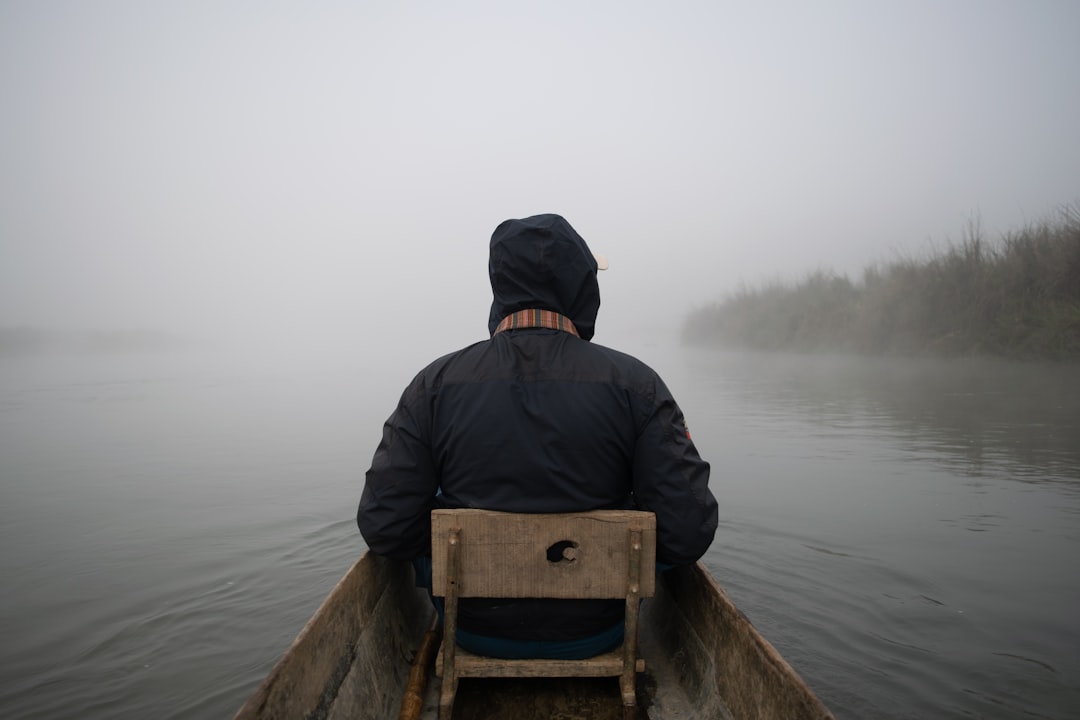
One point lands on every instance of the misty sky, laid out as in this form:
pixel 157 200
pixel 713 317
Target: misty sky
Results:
pixel 307 170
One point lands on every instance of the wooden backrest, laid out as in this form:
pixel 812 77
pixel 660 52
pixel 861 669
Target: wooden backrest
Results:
pixel 566 555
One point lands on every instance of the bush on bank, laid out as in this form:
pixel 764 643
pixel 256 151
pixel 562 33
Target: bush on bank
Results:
pixel 1017 297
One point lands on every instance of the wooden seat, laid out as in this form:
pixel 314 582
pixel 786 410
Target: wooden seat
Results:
pixel 603 554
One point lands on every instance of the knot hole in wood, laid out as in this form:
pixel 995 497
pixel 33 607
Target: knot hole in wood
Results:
pixel 564 551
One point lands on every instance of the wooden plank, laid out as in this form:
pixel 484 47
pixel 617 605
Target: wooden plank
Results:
pixel 470 665
pixel 600 660
pixel 509 559
pixel 633 606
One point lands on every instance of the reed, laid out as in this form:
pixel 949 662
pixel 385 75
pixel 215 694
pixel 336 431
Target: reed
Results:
pixel 1018 296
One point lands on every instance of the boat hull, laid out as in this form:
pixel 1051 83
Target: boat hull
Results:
pixel 704 659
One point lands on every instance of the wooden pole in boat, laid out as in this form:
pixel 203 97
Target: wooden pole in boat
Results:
pixel 412 703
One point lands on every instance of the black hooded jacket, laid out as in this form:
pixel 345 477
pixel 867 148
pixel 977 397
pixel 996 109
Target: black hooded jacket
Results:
pixel 538 420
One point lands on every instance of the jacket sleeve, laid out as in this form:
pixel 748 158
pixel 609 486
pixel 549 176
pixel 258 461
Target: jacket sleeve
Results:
pixel 671 480
pixel 399 491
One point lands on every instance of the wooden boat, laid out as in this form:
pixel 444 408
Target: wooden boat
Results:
pixel 353 659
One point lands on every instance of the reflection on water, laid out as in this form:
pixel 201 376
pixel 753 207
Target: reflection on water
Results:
pixel 904 532
pixel 978 413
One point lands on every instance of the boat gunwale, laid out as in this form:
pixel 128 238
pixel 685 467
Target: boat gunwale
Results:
pixel 352 656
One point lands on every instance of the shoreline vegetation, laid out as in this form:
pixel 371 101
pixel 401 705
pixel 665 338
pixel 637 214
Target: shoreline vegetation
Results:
pixel 1017 297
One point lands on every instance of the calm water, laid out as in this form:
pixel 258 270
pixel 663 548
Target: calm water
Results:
pixel 906 533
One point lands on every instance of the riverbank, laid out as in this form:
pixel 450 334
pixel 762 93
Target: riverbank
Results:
pixel 1016 297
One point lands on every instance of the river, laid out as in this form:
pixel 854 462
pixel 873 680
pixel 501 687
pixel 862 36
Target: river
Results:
pixel 905 532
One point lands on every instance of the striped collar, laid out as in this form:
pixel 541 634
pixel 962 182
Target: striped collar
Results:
pixel 536 318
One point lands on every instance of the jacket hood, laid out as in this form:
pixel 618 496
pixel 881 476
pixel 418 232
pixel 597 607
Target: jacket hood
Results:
pixel 541 262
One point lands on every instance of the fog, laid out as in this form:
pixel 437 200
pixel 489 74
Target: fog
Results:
pixel 324 177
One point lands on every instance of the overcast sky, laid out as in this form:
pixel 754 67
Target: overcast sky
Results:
pixel 325 169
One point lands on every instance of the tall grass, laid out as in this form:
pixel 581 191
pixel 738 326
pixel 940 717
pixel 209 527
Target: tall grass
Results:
pixel 1016 297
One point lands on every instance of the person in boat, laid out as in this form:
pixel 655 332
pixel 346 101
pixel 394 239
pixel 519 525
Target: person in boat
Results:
pixel 537 419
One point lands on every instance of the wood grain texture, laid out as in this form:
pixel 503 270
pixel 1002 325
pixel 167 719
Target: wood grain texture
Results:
pixel 593 555
pixel 736 669
pixel 705 660
pixel 507 555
